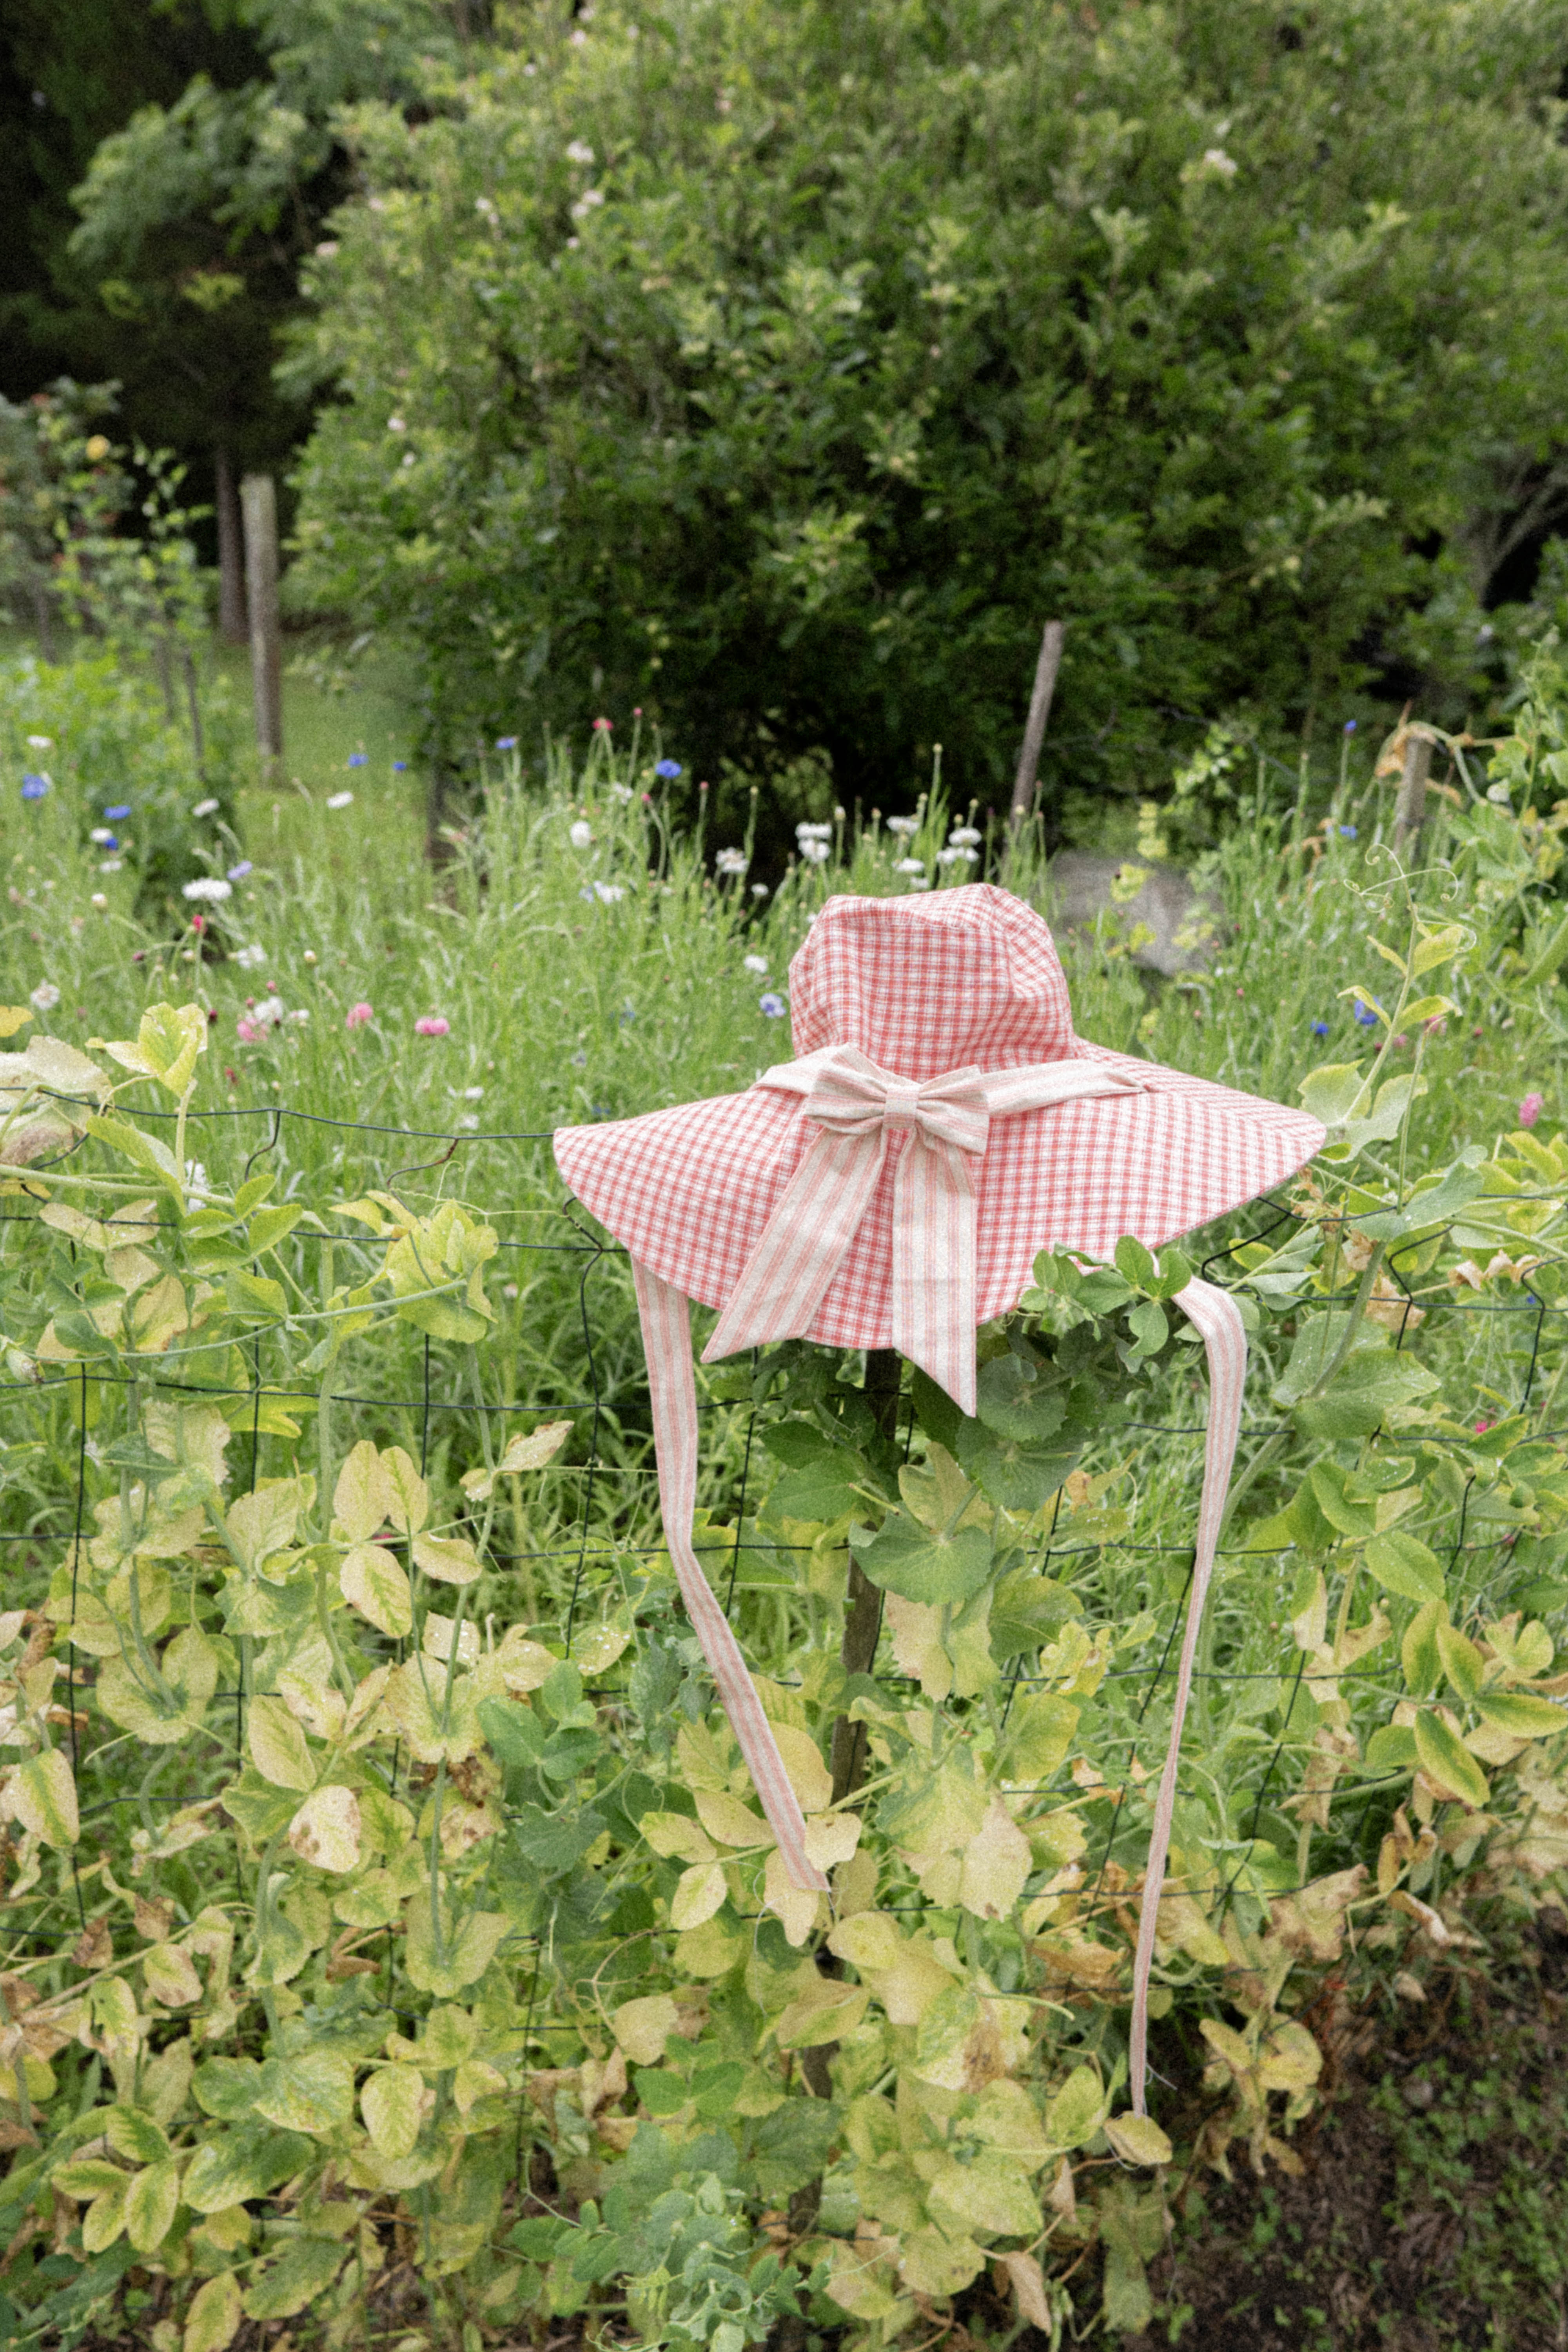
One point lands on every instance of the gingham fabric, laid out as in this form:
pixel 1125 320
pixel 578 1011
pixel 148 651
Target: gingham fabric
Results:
pixel 892 1187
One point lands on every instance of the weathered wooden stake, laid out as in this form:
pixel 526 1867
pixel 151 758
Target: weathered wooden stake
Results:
pixel 1026 782
pixel 259 500
pixel 1411 807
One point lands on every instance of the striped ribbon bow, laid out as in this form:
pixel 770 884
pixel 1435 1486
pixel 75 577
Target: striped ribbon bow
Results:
pixel 859 1109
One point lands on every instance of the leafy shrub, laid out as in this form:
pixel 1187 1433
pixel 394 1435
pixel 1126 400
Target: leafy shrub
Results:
pixel 780 370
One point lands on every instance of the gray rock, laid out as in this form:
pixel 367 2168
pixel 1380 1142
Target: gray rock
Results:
pixel 1170 927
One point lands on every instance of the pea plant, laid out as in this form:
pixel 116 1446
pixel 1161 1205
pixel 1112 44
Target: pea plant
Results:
pixel 396 1951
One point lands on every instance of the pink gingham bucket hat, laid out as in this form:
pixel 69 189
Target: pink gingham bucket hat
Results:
pixel 941 1125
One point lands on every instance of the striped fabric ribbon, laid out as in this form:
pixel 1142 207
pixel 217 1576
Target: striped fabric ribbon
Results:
pixel 858 1108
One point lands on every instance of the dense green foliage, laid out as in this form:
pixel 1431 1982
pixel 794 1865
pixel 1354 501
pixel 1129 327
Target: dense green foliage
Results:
pixel 780 369
pixel 477 1973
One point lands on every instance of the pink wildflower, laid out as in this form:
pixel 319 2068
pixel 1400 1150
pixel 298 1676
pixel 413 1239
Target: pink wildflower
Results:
pixel 601 726
pixel 250 1032
pixel 431 1025
pixel 358 1015
pixel 1529 1109
pixel 1437 1027
pixel 1482 1427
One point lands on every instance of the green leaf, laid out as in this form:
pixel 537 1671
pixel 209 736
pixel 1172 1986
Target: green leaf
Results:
pixel 270 1226
pixel 1039 1733
pixel 1028 1610
pixel 311 2092
pixel 1445 1760
pixel 1020 1475
pixel 1013 1401
pixel 792 2146
pixel 1134 1263
pixel 1522 1714
pixel 513 1730
pixel 1331 1093
pixel 920 1565
pixel 1403 1564
pixel 1391 1749
pixel 144 1151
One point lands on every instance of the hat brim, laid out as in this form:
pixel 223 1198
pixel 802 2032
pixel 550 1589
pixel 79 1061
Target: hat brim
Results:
pixel 688 1191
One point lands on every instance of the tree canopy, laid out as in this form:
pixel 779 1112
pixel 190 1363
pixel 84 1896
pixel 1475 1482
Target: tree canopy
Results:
pixel 780 368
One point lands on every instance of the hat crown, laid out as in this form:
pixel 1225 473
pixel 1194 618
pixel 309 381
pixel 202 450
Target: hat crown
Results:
pixel 922 985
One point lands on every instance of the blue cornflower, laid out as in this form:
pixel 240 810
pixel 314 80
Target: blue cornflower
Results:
pixel 398 766
pixel 1347 832
pixel 506 742
pixel 1320 1028
pixel 1350 727
pixel 35 787
pixel 120 808
pixel 237 873
pixel 667 769
pixel 1365 1015
pixel 773 1006
pixel 359 759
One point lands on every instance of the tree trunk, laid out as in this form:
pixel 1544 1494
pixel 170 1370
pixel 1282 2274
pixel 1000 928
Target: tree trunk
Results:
pixel 231 618
pixel 1026 782
pixel 1411 807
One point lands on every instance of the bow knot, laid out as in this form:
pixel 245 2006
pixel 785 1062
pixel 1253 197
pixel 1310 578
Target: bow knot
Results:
pixel 858 1108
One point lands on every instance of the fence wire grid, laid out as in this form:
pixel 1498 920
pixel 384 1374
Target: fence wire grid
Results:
pixel 588 1584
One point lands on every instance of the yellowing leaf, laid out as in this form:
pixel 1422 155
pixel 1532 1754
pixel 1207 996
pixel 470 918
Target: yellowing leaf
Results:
pixel 374 1583
pixel 170 1976
pixel 672 1834
pixel 213 2320
pixel 1138 2139
pixel 278 1745
pixel 797 1907
pixel 450 1559
pixel 325 1831
pixel 1077 2109
pixel 808 1775
pixel 409 1507
pixel 642 2027
pixel 989 2194
pixel 1029 2286
pixel 596 1647
pixel 821 2011
pixel 698 1893
pixel 43 1798
pixel 391 2101
pixel 362 1496
pixel 523 1452
pixel 524 1664
pixel 12 1016
pixel 831 1837
pixel 725 1818
pixel 166 1045
pixel 996 1863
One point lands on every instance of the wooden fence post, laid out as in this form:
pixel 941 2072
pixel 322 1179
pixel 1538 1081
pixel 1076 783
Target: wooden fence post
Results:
pixel 1411 807
pixel 259 502
pixel 1026 782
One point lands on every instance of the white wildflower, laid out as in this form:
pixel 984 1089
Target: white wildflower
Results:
pixel 579 151
pixel 101 834
pixel 815 853
pixel 621 793
pixel 45 997
pixel 582 834
pixel 904 826
pixel 339 800
pixel 759 889
pixel 1217 165
pixel 249 958
pixel 210 888
pixel 40 742
pixel 759 964
pixel 909 865
pixel 607 893
pixel 814 833
pixel 98 900
pixel 112 865
pixel 586 202
pixel 953 856
pixel 730 861
pixel 396 425
pixel 964 835
pixel 207 808
pixel 1498 793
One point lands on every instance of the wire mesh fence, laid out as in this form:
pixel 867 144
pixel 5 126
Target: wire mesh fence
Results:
pixel 604 1516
